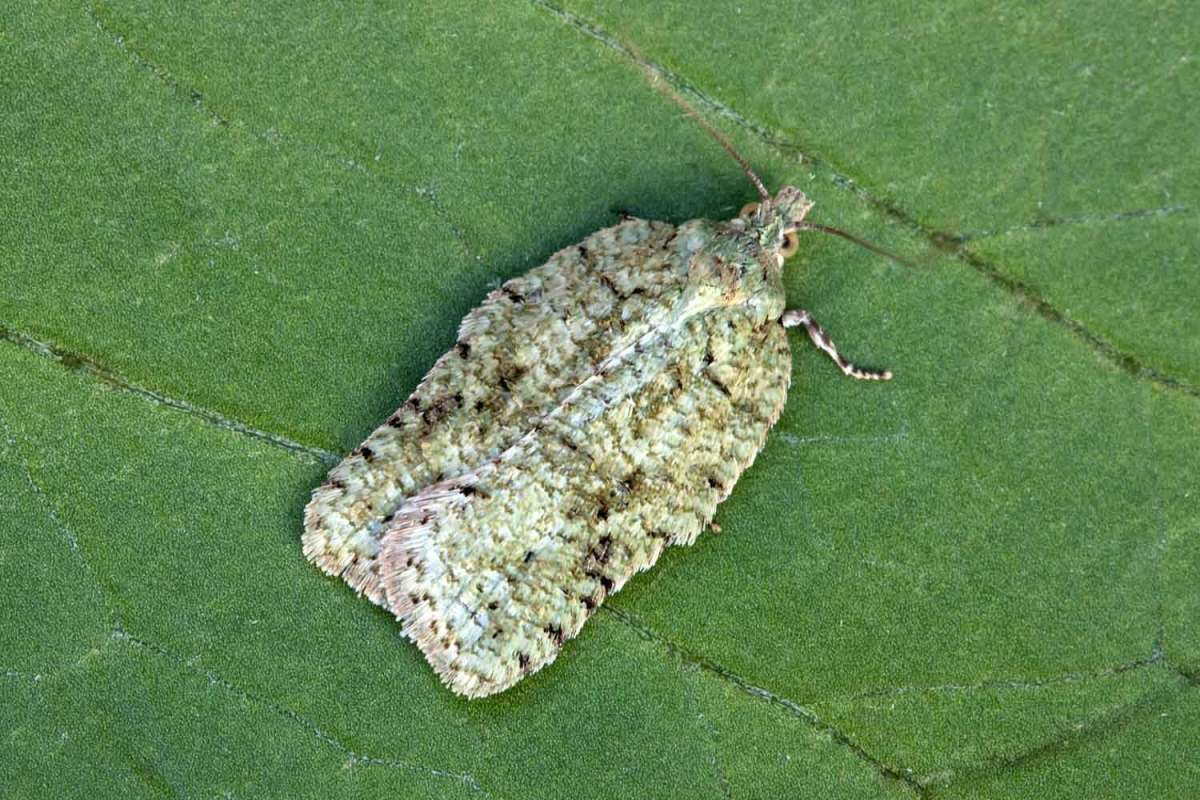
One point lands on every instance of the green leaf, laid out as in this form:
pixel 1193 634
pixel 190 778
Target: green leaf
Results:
pixel 234 239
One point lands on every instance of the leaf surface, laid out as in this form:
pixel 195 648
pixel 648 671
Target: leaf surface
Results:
pixel 234 240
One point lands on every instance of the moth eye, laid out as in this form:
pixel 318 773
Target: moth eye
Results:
pixel 791 243
pixel 748 209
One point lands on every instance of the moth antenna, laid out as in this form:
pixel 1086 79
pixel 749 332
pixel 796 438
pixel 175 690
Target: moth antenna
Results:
pixel 876 249
pixel 664 87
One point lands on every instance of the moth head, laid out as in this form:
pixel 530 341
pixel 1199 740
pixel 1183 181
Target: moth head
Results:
pixel 776 220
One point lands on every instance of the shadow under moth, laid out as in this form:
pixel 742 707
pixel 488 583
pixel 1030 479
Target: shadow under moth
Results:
pixel 593 412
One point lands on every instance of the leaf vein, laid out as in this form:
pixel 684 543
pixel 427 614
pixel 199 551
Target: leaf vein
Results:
pixel 78 362
pixel 791 707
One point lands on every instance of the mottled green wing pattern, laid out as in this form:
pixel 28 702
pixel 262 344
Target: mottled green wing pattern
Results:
pixel 530 343
pixel 493 570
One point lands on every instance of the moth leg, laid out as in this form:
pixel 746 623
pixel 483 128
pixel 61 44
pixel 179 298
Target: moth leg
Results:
pixel 821 339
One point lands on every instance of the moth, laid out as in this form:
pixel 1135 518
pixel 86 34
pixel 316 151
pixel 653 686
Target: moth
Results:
pixel 593 412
